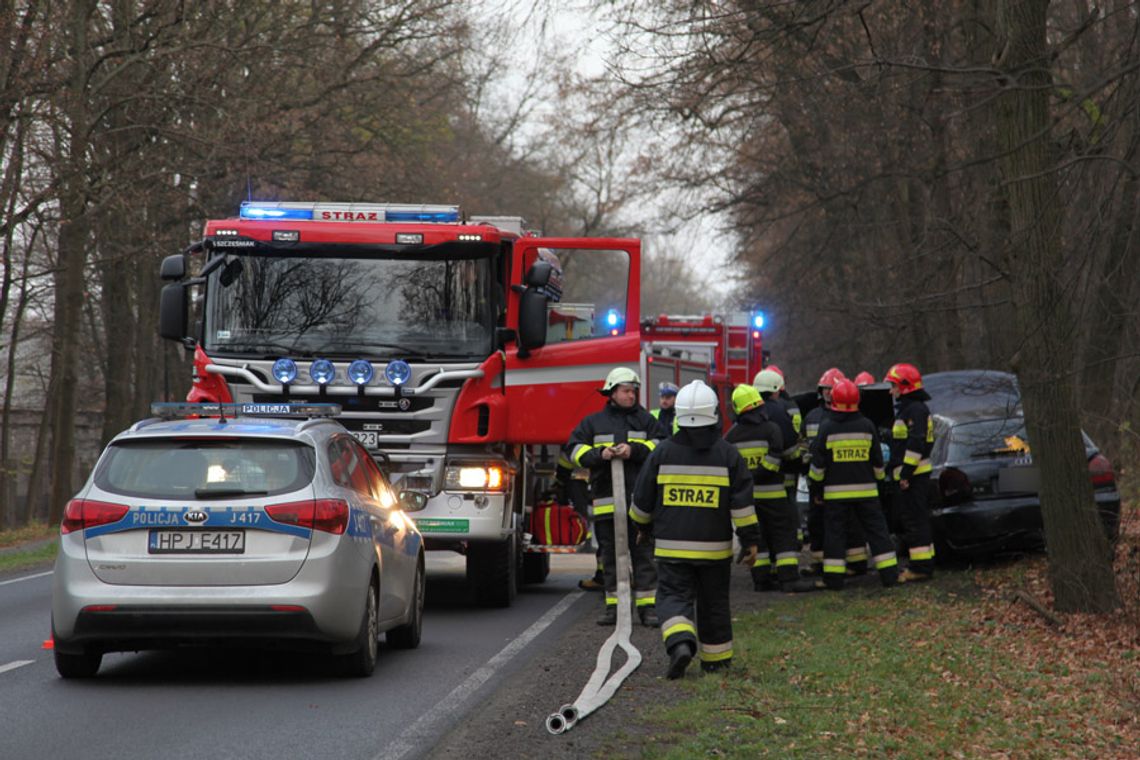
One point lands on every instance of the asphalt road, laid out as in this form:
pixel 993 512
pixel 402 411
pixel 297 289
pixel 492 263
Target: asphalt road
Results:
pixel 254 704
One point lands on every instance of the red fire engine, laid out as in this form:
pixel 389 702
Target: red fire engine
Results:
pixel 462 350
pixel 724 352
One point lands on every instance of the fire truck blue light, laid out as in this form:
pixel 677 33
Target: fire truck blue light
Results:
pixel 259 212
pixel 322 371
pixel 285 370
pixel 613 318
pixel 360 372
pixel 398 372
pixel 758 320
pixel 421 216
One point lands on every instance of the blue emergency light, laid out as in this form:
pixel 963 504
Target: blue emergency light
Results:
pixel 182 409
pixel 758 320
pixel 322 371
pixel 422 216
pixel 360 372
pixel 250 211
pixel 349 212
pixel 398 372
pixel 285 370
pixel 614 321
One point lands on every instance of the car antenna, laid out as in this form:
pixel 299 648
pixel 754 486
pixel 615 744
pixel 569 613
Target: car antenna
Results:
pixel 222 414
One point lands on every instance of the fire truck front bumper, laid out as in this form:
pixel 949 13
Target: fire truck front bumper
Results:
pixel 452 517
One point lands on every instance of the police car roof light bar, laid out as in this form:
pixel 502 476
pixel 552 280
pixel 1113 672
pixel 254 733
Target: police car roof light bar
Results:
pixel 181 409
pixel 348 212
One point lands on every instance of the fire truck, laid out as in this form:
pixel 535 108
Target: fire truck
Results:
pixel 462 350
pixel 724 351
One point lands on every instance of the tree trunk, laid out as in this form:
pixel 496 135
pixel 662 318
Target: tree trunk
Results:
pixel 1080 565
pixel 73 241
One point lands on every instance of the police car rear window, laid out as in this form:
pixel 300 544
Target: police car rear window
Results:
pixel 174 468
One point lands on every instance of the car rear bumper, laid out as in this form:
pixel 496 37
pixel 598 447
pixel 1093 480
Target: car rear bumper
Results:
pixel 1010 523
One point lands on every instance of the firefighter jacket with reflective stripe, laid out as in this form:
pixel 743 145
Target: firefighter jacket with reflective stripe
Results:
pixel 694 489
pixel 609 427
pixel 846 459
pixel 791 455
pixel 760 442
pixel 793 410
pixel 811 427
pixel 912 437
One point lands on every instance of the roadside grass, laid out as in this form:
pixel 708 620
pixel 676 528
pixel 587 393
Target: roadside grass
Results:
pixel 954 668
pixel 14 555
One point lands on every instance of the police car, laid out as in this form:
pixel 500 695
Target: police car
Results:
pixel 229 523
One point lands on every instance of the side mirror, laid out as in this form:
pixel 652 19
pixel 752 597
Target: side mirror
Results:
pixel 538 276
pixel 412 501
pixel 172 310
pixel 532 320
pixel 173 267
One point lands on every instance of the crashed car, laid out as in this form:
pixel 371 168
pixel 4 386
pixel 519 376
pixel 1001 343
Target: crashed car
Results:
pixel 237 528
pixel 986 496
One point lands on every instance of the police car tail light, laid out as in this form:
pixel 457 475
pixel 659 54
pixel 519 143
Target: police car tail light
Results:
pixel 327 515
pixel 472 478
pixel 81 514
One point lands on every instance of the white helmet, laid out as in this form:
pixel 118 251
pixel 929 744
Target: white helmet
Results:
pixel 768 381
pixel 619 376
pixel 696 405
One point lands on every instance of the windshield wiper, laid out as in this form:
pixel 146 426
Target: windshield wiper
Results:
pixel 216 493
pixel 269 348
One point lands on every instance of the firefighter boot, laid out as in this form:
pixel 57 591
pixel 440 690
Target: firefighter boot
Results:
pixel 716 667
pixel 609 615
pixel 648 616
pixel 680 655
pixel 762 579
pixel 591 584
pixel 910 576
pixel 802 586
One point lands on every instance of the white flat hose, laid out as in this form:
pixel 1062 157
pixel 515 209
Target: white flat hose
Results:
pixel 599 688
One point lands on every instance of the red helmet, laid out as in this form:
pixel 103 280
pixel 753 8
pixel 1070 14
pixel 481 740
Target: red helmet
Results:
pixel 845 396
pixel 829 378
pixel 864 378
pixel 906 377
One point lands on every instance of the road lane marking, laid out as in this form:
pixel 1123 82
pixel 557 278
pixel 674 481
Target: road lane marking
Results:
pixel 15 664
pixel 413 735
pixel 26 578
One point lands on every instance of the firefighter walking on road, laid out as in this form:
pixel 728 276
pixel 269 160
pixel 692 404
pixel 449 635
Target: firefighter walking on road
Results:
pixel 846 469
pixel 623 429
pixel 694 489
pixel 760 442
pixel 912 439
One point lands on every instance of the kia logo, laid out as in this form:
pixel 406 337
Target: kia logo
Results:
pixel 196 516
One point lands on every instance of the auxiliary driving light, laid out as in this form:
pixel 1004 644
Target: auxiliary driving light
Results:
pixel 361 372
pixel 285 370
pixel 322 371
pixel 398 372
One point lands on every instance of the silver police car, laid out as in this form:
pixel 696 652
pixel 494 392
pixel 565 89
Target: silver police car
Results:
pixel 237 528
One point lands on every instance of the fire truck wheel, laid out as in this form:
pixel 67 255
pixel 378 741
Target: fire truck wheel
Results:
pixel 492 568
pixel 535 568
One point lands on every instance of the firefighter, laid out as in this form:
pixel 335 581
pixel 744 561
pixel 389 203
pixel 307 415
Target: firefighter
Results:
pixel 573 484
pixel 864 378
pixel 846 468
pixel 623 429
pixel 694 489
pixel 790 405
pixel 667 396
pixel 823 388
pixel 912 439
pixel 759 441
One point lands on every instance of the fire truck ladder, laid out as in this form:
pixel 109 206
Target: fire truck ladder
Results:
pixel 599 689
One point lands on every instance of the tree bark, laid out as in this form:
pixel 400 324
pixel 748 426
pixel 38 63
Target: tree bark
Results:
pixel 1080 566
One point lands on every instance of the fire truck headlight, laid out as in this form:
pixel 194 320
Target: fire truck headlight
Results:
pixel 285 370
pixel 322 371
pixel 398 372
pixel 360 372
pixel 475 478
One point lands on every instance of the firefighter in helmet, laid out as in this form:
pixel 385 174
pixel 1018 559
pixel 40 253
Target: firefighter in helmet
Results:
pixel 864 378
pixel 667 397
pixel 790 405
pixel 769 382
pixel 912 439
pixel 760 442
pixel 694 490
pixel 623 430
pixel 846 469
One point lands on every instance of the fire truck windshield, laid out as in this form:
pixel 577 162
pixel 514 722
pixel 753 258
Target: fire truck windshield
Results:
pixel 366 306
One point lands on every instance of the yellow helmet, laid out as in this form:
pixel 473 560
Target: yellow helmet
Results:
pixel 745 397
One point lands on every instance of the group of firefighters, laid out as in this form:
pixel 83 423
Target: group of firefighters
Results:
pixel 688 488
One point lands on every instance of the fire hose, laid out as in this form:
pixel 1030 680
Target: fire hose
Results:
pixel 599 688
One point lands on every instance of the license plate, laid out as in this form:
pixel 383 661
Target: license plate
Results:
pixel 367 438
pixel 196 542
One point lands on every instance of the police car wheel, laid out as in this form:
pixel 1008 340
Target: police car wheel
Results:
pixel 362 662
pixel 83 665
pixel 407 636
